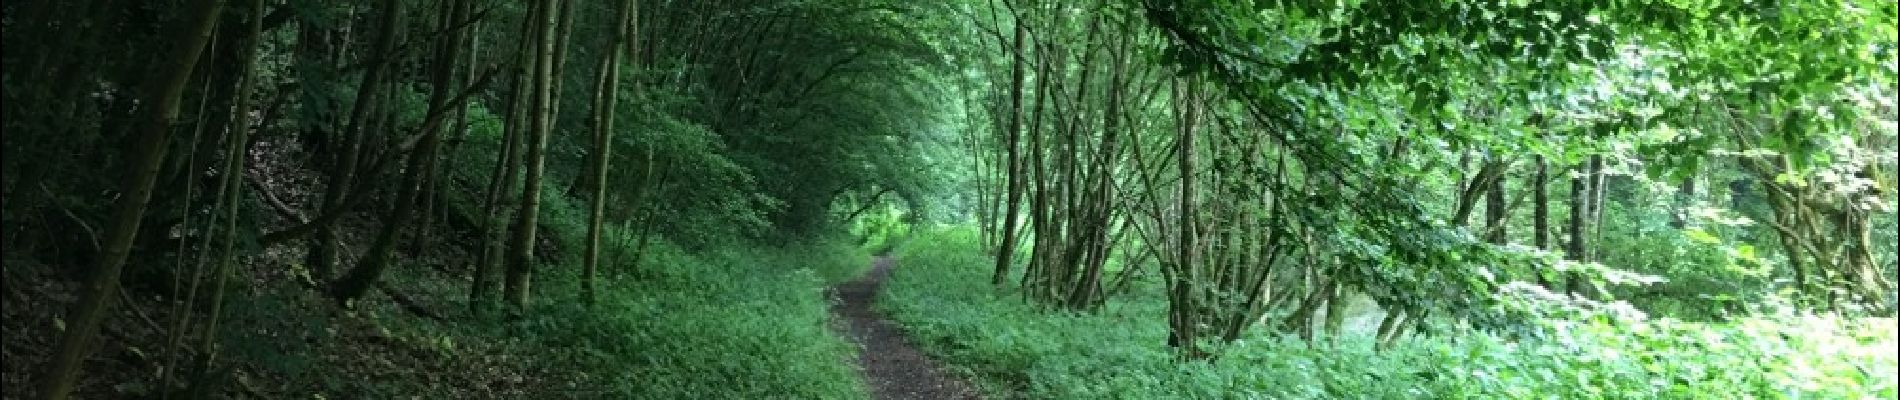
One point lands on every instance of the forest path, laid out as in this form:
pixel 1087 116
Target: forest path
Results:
pixel 892 367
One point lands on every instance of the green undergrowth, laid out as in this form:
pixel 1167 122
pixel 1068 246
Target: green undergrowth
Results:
pixel 730 324
pixel 940 294
pixel 721 318
pixel 740 321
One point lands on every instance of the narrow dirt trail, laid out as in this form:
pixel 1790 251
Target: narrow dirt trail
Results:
pixel 892 367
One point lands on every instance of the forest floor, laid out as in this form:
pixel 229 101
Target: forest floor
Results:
pixel 892 367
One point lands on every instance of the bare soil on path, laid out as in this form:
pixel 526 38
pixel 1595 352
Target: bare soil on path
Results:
pixel 892 367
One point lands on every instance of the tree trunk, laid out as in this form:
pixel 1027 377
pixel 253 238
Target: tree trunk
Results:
pixel 651 185
pixel 163 93
pixel 495 229
pixel 541 122
pixel 359 280
pixel 1540 214
pixel 1579 216
pixel 1599 182
pixel 1335 313
pixel 232 190
pixel 1685 197
pixel 322 257
pixel 1186 321
pixel 1495 216
pixel 1012 198
pixel 1388 326
pixel 603 135
pixel 1038 177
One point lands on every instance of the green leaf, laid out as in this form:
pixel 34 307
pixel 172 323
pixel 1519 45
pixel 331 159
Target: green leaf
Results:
pixel 1701 236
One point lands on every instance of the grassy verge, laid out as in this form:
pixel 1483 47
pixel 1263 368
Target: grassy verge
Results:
pixel 940 294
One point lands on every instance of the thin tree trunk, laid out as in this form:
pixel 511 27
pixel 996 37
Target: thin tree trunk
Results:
pixel 1012 198
pixel 232 189
pixel 1187 322
pixel 1685 197
pixel 1039 197
pixel 564 29
pixel 1495 216
pixel 495 229
pixel 1388 326
pixel 359 280
pixel 466 30
pixel 521 251
pixel 1599 181
pixel 1579 213
pixel 163 93
pixel 646 221
pixel 1335 312
pixel 603 135
pixel 322 257
pixel 1540 214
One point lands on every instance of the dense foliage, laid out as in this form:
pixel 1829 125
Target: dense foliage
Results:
pixel 1139 198
pixel 1276 159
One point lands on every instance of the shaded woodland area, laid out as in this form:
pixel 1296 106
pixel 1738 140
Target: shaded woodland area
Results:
pixel 1084 199
pixel 178 171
